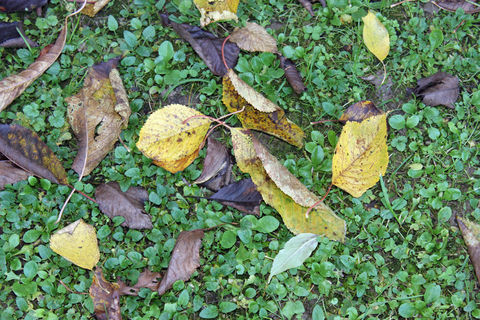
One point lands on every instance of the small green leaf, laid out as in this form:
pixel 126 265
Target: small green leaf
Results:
pixel 130 38
pixel 149 33
pixel 406 310
pixel 210 312
pixel 112 23
pixel 266 224
pixel 226 307
pixel 31 236
pixel 317 155
pixel 444 214
pixel 24 289
pixel 30 269
pixel 397 122
pixel 436 38
pixel 228 239
pixel 317 313
pixel 432 293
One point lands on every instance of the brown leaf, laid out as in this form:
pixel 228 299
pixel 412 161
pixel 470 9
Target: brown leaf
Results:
pixel 11 36
pixel 241 195
pixel 471 6
pixel 185 259
pixel 360 111
pixel 217 166
pixel 20 5
pixel 293 76
pixel 114 202
pixel 105 296
pixel 10 174
pixel 103 104
pixel 438 89
pixel 13 86
pixel 471 235
pixel 254 37
pixel 384 91
pixel 146 279
pixel 206 45
pixel 91 9
pixel 307 5
pixel 25 148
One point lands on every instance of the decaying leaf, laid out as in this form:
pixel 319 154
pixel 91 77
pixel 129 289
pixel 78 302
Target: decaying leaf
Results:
pixel 384 87
pixel 241 195
pixel 360 111
pixel 77 243
pixel 375 36
pixel 471 235
pixel 307 5
pixel 12 36
pixel 20 5
pixel 146 279
pixel 361 155
pixel 10 174
pixel 254 37
pixel 260 113
pixel 206 45
pixel 293 76
pixel 185 259
pixel 470 6
pixel 217 166
pixel 438 89
pixel 113 202
pixel 212 11
pixel 171 139
pixel 25 148
pixel 103 104
pixel 91 9
pixel 321 221
pixel 13 86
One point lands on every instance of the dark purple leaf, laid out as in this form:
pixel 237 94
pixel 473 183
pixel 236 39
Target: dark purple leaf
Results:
pixel 241 195
pixel 21 5
pixel 293 76
pixel 438 89
pixel 217 166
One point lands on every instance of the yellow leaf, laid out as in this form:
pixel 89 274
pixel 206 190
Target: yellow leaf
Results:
pixel 375 36
pixel 254 37
pixel 260 113
pixel 170 142
pixel 216 10
pixel 77 243
pixel 361 155
pixel 91 9
pixel 321 220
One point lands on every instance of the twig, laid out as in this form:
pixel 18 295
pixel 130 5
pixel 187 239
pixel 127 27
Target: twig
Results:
pixel 399 3
pixel 70 290
pixel 319 201
pixel 223 54
pixel 123 144
pixel 219 225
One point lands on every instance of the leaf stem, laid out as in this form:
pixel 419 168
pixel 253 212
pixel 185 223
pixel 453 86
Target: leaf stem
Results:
pixel 219 225
pixel 319 201
pixel 326 120
pixel 223 53
pixel 384 73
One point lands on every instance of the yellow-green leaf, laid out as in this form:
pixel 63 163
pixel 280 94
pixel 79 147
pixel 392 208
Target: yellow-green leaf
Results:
pixel 216 10
pixel 375 36
pixel 77 243
pixel 361 155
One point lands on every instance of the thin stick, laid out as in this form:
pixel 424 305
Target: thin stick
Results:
pixel 219 225
pixel 399 3
pixel 78 11
pixel 123 144
pixel 323 121
pixel 223 54
pixel 206 117
pixel 66 287
pixel 384 73
pixel 319 201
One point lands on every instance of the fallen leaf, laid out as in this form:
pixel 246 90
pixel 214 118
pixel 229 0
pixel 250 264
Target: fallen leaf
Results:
pixel 254 37
pixel 103 104
pixel 308 6
pixel 105 297
pixel 438 89
pixel 213 11
pixel 113 202
pixel 185 259
pixel 241 195
pixel 77 243
pixel 360 111
pixel 295 252
pixel 294 77
pixel 217 166
pixel 471 235
pixel 384 88
pixel 91 9
pixel 321 220
pixel 471 6
pixel 260 113
pixel 10 174
pixel 206 45
pixel 13 86
pixel 25 148
pixel 12 36
pixel 146 279
pixel 375 36
pixel 20 5
pixel 171 143
pixel 361 155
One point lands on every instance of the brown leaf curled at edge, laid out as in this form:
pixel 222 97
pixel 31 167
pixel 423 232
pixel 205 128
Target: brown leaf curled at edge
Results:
pixel 185 259
pixel 471 6
pixel 471 235
pixel 293 76
pixel 20 5
pixel 91 9
pixel 241 195
pixel 307 5
pixel 25 148
pixel 217 166
pixel 13 86
pixel 438 89
pixel 206 45
pixel 254 37
pixel 11 34
pixel 103 104
pixel 113 202
pixel 10 174
pixel 360 111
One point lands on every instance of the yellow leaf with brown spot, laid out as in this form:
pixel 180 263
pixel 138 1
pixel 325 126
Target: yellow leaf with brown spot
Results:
pixel 280 193
pixel 91 9
pixel 171 137
pixel 216 10
pixel 77 243
pixel 361 155
pixel 360 111
pixel 259 113
pixel 375 36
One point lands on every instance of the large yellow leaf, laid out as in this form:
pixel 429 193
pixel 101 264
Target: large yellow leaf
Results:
pixel 260 113
pixel 375 36
pixel 170 142
pixel 321 220
pixel 361 155
pixel 77 243
pixel 216 10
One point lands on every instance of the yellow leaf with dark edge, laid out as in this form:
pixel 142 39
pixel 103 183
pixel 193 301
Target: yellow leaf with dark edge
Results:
pixel 77 243
pixel 321 220
pixel 254 37
pixel 471 235
pixel 260 113
pixel 216 10
pixel 360 111
pixel 168 141
pixel 13 86
pixel 103 104
pixel 375 36
pixel 24 147
pixel 361 155
pixel 91 9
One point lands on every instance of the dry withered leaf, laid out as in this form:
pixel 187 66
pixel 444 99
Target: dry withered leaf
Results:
pixel 103 104
pixel 113 202
pixel 293 76
pixel 384 91
pixel 25 148
pixel 307 5
pixel 217 166
pixel 185 259
pixel 91 9
pixel 10 174
pixel 360 111
pixel 206 45
pixel 471 235
pixel 471 6
pixel 146 279
pixel 241 195
pixel 20 5
pixel 254 37
pixel 438 89
pixel 212 11
pixel 11 34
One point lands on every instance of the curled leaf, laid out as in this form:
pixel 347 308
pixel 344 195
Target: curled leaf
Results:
pixel 293 76
pixel 471 235
pixel 12 36
pixel 360 111
pixel 254 37
pixel 217 166
pixel 438 89
pixel 375 36
pixel 91 9
pixel 241 195
pixel 212 11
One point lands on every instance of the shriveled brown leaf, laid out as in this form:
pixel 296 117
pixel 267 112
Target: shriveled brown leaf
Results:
pixel 308 6
pixel 113 202
pixel 10 174
pixel 12 35
pixel 91 9
pixel 438 89
pixel 105 296
pixel 146 279
pixel 217 166
pixel 384 91
pixel 293 76
pixel 360 111
pixel 241 195
pixel 20 5
pixel 471 6
pixel 254 37
pixel 471 235
pixel 185 259
pixel 103 104
pixel 25 148
pixel 206 45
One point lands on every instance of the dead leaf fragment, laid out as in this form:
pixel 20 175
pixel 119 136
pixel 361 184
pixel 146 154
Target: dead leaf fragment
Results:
pixel 294 77
pixel 10 174
pixel 360 111
pixel 213 11
pixel 241 195
pixel 471 6
pixel 113 202
pixel 217 166
pixel 105 297
pixel 185 259
pixel 438 89
pixel 12 35
pixel 91 9
pixel 20 5
pixel 471 235
pixel 308 6
pixel 254 37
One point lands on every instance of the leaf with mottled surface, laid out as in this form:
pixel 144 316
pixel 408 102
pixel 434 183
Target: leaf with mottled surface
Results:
pixel 471 235
pixel 213 11
pixel 360 111
pixel 254 37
